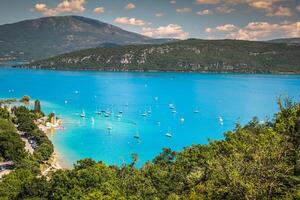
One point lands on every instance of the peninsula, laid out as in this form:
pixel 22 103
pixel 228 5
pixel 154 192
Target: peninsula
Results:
pixel 192 55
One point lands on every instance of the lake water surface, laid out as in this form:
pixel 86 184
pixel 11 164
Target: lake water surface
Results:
pixel 232 98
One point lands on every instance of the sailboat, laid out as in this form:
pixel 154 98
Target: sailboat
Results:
pixel 137 136
pixel 221 120
pixel 82 114
pixel 169 134
pixel 109 128
pixel 196 110
pixel 171 106
pixel 98 112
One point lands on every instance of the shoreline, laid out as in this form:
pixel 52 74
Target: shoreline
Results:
pixel 70 69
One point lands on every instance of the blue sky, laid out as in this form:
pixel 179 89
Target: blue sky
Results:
pixel 207 19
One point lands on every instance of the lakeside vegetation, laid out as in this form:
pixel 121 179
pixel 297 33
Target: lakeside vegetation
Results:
pixel 188 55
pixel 20 123
pixel 255 161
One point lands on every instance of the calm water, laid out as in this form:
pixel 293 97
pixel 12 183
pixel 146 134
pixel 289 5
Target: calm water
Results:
pixel 235 98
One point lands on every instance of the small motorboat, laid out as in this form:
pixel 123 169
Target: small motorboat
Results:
pixel 182 119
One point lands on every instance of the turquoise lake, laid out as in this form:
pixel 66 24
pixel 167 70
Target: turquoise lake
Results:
pixel 230 97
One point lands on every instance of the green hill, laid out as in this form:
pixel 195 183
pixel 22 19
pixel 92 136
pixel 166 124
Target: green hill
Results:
pixel 188 55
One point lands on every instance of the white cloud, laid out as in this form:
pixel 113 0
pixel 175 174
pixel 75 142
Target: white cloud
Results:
pixel 130 6
pixel 261 4
pixel 281 11
pixel 205 12
pixel 99 10
pixel 207 1
pixel 259 30
pixel 222 28
pixel 225 9
pixel 169 31
pixel 183 10
pixel 130 21
pixel 173 2
pixel 226 28
pixel 159 14
pixel 64 6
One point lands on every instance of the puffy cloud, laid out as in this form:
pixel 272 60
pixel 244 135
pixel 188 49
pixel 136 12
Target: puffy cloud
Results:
pixel 224 9
pixel 183 10
pixel 260 30
pixel 207 1
pixel 298 8
pixel 205 12
pixel 209 30
pixel 281 11
pixel 173 2
pixel 159 14
pixel 169 31
pixel 99 10
pixel 261 4
pixel 270 7
pixel 130 6
pixel 130 21
pixel 64 6
pixel 222 28
pixel 226 28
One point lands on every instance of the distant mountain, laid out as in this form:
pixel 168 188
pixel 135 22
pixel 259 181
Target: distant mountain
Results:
pixel 189 55
pixel 286 40
pixel 49 36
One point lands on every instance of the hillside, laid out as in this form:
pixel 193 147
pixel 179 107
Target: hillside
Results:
pixel 188 55
pixel 287 40
pixel 49 36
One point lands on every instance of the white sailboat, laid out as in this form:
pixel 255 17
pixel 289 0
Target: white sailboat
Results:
pixel 169 134
pixel 82 114
pixel 221 121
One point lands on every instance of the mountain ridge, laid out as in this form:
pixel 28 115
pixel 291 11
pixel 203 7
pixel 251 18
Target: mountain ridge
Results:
pixel 49 36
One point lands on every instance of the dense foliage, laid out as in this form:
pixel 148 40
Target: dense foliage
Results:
pixel 187 55
pixel 11 145
pixel 25 121
pixel 256 161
